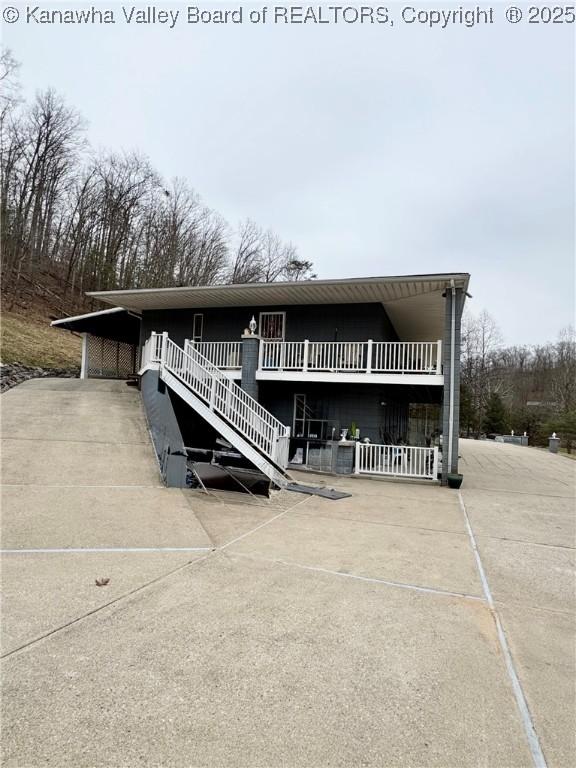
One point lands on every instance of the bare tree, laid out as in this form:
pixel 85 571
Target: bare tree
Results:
pixel 109 220
pixel 9 83
pixel 45 145
pixel 481 338
pixel 564 383
pixel 185 240
pixel 247 264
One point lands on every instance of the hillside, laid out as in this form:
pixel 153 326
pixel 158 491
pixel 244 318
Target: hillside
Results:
pixel 25 333
pixel 31 341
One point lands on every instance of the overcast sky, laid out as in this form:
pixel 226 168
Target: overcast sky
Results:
pixel 377 150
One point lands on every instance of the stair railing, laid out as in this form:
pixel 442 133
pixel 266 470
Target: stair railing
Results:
pixel 227 399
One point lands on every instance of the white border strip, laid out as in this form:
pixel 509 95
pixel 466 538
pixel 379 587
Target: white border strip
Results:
pixel 529 729
pixel 87 315
pixel 96 550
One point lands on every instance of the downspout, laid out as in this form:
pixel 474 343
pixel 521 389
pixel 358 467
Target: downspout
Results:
pixel 452 344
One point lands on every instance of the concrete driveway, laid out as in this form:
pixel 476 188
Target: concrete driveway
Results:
pixel 405 626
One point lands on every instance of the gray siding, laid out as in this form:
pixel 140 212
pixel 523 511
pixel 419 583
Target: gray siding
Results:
pixel 164 429
pixel 331 322
pixel 250 350
pixel 375 409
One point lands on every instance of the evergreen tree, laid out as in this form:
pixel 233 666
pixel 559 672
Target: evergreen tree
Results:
pixel 495 419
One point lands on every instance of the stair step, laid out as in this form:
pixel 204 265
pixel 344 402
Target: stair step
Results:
pixel 222 403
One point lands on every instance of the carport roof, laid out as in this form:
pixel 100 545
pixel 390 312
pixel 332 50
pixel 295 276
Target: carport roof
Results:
pixel 414 303
pixel 117 324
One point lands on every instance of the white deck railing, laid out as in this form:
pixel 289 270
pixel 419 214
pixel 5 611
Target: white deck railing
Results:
pixel 396 460
pixel 385 357
pixel 224 397
pixel 152 350
pixel 223 354
pixel 352 356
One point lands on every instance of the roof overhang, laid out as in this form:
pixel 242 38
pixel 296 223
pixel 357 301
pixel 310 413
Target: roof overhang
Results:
pixel 414 303
pixel 117 324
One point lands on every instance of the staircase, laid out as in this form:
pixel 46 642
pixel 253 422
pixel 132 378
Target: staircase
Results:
pixel 240 419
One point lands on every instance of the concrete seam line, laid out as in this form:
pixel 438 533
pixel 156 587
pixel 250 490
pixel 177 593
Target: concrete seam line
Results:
pixel 555 611
pixel 97 550
pixel 369 579
pixel 55 485
pixel 529 729
pixel 523 541
pixel 266 522
pixel 523 493
pixel 190 509
pixel 99 608
pixel 142 587
pixel 67 440
pixel 315 514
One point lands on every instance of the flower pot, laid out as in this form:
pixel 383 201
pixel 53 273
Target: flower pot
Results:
pixel 455 480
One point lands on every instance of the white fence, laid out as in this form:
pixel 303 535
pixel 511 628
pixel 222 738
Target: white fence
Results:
pixel 222 354
pixel 352 356
pixel 396 460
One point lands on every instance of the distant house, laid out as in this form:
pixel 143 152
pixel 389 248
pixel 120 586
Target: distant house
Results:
pixel 358 375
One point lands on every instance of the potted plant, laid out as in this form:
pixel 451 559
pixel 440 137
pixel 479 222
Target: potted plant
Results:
pixel 455 479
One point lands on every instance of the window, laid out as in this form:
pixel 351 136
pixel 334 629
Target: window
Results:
pixel 197 328
pixel 299 426
pixel 272 325
pixel 309 421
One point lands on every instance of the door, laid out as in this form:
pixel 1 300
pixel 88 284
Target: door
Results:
pixel 197 328
pixel 272 325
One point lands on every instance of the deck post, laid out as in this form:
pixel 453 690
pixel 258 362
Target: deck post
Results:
pixel 306 353
pixel 454 302
pixel 164 347
pixel 357 458
pixel 435 464
pixel 84 366
pixel 369 356
pixel 439 357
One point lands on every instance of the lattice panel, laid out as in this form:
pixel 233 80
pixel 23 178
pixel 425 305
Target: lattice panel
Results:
pixel 110 359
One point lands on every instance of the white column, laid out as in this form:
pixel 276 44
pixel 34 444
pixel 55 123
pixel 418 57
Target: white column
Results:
pixel 164 347
pixel 357 450
pixel 369 356
pixel 439 356
pixel 84 364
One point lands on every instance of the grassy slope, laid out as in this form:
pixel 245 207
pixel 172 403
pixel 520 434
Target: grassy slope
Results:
pixel 25 314
pixel 29 339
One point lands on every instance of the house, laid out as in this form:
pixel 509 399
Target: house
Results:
pixel 358 375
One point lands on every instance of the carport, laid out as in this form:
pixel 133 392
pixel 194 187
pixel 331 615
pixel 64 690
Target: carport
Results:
pixel 110 341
